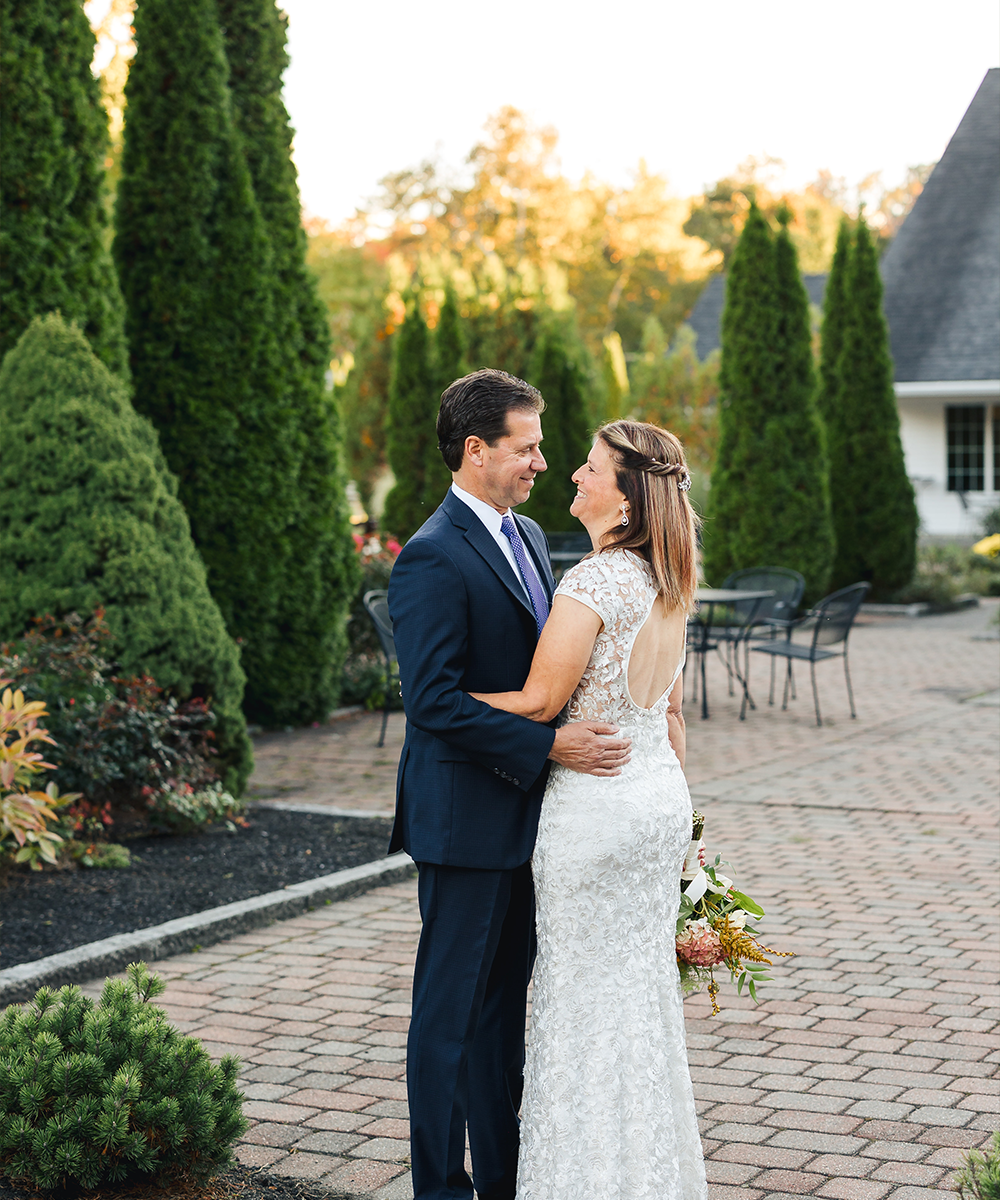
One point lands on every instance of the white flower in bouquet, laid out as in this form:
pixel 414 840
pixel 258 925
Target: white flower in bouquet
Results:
pixel 722 884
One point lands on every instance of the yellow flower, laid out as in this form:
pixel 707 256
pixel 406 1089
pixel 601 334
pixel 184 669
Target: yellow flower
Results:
pixel 989 547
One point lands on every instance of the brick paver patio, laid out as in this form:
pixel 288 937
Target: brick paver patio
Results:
pixel 872 1063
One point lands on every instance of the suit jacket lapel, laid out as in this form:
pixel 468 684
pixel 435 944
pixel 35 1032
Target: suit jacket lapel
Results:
pixel 478 536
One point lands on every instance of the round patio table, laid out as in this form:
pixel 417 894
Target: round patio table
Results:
pixel 708 597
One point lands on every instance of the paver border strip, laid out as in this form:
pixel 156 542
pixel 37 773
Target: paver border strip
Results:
pixel 19 983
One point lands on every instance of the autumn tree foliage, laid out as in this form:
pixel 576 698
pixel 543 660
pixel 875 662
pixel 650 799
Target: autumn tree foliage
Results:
pixel 521 224
pixel 673 388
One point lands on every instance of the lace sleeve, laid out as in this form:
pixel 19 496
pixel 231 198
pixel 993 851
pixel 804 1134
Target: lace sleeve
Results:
pixel 593 582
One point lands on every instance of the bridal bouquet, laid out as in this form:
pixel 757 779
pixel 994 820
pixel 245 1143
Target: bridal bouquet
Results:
pixel 713 926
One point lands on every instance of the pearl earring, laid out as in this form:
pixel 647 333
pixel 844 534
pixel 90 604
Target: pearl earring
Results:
pixel 624 514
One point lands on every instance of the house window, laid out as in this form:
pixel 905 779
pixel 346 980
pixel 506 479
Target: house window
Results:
pixel 996 449
pixel 966 447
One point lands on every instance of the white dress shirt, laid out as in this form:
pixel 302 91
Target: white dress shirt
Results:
pixel 491 519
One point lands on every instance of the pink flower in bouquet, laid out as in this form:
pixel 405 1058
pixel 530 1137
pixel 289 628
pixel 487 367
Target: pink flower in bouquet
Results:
pixel 699 945
pixel 393 546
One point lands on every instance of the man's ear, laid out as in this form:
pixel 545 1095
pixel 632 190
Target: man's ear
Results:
pixel 475 449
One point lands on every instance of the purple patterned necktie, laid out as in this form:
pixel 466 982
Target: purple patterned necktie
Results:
pixel 536 593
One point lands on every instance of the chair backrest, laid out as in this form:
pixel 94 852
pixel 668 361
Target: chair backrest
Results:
pixel 566 550
pixel 834 614
pixel 787 585
pixel 376 604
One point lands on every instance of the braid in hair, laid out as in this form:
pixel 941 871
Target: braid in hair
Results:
pixel 633 459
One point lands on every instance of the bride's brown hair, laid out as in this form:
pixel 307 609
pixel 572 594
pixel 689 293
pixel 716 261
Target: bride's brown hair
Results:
pixel 653 476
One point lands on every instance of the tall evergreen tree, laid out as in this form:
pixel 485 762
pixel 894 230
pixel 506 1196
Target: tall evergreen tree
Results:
pixel 835 305
pixel 740 478
pixel 53 141
pixel 615 376
pixel 449 365
pixel 798 531
pixel 363 399
pixel 196 266
pixel 91 519
pixel 410 425
pixel 560 378
pixel 874 509
pixel 770 503
pixel 307 638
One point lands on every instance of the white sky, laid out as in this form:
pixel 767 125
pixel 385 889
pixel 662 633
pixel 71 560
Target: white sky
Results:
pixel 692 86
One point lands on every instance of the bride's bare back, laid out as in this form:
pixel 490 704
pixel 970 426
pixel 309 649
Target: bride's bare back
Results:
pixel 657 652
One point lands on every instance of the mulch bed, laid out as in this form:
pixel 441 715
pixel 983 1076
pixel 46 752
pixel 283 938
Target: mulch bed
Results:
pixel 46 912
pixel 238 1183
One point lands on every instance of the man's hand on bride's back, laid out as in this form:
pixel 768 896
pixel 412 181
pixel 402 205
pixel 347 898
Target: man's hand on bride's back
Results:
pixel 591 748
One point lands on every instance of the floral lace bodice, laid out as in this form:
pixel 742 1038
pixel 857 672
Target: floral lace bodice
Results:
pixel 619 587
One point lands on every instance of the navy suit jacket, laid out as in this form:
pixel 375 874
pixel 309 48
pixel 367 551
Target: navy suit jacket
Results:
pixel 471 778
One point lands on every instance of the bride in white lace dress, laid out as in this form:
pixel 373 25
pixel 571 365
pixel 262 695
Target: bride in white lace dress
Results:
pixel 608 1110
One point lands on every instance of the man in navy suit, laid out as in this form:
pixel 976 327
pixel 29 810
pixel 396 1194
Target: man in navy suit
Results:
pixel 468 597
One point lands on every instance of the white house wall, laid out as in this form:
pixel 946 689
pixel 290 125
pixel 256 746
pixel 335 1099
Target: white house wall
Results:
pixel 924 436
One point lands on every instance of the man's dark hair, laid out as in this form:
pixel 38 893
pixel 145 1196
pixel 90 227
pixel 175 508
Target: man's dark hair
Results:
pixel 477 406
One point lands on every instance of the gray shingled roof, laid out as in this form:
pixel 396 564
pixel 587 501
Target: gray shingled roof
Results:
pixel 942 271
pixel 706 316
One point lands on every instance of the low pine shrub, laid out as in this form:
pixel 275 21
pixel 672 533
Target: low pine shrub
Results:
pixel 93 1094
pixel 979 1178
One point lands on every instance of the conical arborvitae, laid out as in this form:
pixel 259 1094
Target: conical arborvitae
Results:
pixel 796 531
pixel 449 365
pixel 874 510
pixel 91 519
pixel 835 305
pixel 410 426
pixel 560 379
pixel 306 643
pixel 197 272
pixel 53 141
pixel 615 377
pixel 747 380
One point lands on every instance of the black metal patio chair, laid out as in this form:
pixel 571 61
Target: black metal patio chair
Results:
pixel 724 635
pixel 376 604
pixel 831 621
pixel 773 617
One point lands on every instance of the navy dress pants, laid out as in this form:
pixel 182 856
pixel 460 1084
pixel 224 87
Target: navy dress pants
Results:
pixel 465 1051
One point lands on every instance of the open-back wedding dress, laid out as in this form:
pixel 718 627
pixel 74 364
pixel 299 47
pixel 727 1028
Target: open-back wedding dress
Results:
pixel 608 1110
